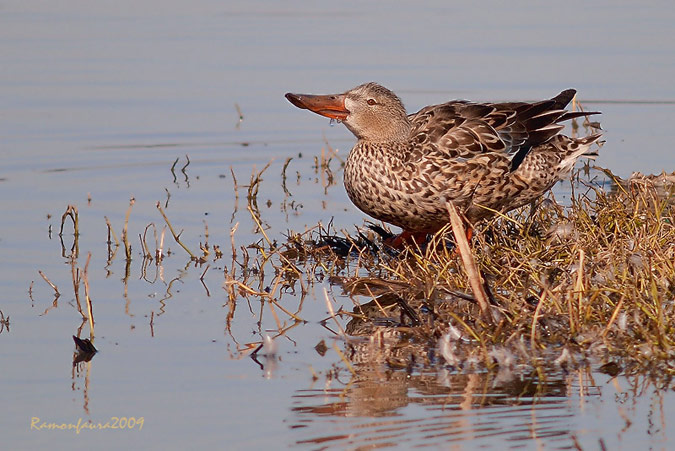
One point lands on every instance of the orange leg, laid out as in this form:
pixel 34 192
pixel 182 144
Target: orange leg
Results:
pixel 416 239
pixel 469 233
pixel 406 238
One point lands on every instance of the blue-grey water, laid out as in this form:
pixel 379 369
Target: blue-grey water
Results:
pixel 99 99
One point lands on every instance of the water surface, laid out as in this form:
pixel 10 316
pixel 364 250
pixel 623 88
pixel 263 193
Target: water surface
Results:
pixel 100 99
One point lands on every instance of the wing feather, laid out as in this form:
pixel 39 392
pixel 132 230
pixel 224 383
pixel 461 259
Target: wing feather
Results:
pixel 461 129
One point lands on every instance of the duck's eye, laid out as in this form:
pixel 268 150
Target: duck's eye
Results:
pixel 371 102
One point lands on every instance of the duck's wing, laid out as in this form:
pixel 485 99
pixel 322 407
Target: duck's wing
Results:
pixel 461 129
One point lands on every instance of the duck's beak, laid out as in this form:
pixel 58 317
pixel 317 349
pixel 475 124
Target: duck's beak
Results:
pixel 332 106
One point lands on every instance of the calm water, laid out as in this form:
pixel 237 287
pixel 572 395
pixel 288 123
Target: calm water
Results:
pixel 97 101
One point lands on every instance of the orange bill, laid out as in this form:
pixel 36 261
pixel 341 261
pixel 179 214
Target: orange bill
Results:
pixel 332 106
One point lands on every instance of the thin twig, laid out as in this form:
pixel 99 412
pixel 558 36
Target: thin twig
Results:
pixel 111 232
pixel 125 235
pixel 617 309
pixel 332 312
pixel 175 236
pixel 535 319
pixel 54 287
pixel 71 211
pixel 90 310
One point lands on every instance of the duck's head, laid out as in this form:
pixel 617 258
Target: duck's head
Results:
pixel 370 111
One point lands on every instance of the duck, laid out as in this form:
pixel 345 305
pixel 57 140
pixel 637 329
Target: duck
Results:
pixel 485 158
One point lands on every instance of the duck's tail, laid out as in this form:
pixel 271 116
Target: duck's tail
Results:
pixel 573 148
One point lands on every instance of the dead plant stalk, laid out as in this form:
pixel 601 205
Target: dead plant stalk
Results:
pixel 475 279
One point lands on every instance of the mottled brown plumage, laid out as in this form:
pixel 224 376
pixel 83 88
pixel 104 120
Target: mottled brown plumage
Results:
pixel 482 157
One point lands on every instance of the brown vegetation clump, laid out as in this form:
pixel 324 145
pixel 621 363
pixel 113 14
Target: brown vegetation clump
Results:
pixel 596 279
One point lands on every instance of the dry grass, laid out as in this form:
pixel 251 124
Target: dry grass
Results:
pixel 597 278
pixel 557 284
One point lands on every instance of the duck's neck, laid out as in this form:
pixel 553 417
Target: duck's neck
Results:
pixel 399 132
pixel 383 131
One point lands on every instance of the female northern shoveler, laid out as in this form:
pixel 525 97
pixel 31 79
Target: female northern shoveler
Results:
pixel 483 157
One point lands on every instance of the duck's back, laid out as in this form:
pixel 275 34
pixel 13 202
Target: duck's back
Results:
pixel 465 129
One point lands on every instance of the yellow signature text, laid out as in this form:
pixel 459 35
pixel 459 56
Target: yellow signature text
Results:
pixel 37 424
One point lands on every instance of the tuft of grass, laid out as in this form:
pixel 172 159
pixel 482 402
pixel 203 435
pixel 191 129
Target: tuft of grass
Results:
pixel 597 277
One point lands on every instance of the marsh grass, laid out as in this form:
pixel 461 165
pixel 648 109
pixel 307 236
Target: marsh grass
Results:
pixel 596 278
pixel 558 284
